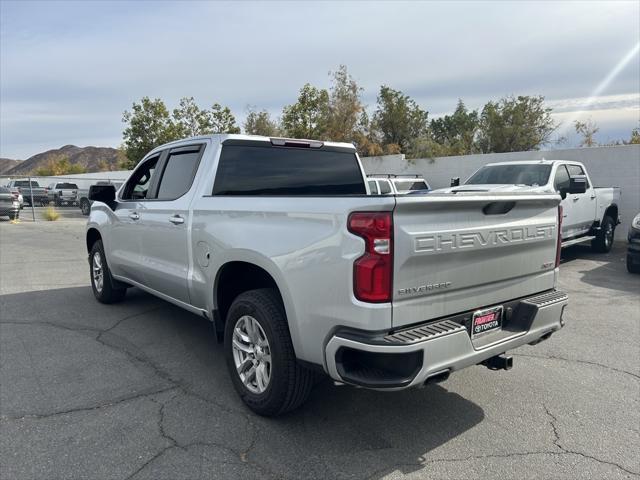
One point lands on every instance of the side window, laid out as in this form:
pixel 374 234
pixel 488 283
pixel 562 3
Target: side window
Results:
pixel 137 187
pixel 373 187
pixel 576 170
pixel 385 187
pixel 561 180
pixel 179 172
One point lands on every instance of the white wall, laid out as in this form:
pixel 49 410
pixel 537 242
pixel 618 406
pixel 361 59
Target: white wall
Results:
pixel 607 166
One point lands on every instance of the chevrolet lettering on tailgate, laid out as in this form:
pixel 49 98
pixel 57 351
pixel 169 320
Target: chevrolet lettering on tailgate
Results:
pixel 436 242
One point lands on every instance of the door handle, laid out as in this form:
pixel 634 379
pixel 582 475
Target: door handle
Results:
pixel 575 199
pixel 176 219
pixel 592 197
pixel 134 216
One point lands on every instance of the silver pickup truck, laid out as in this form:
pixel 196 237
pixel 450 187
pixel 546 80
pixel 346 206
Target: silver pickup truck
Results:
pixel 279 243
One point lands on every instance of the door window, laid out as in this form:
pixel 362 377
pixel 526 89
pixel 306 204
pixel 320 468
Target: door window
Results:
pixel 385 187
pixel 561 181
pixel 137 187
pixel 179 172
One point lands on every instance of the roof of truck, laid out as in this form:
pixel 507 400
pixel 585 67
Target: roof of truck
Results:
pixel 236 136
pixel 532 162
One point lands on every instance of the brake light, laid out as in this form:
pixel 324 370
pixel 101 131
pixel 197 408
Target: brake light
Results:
pixel 372 272
pixel 559 244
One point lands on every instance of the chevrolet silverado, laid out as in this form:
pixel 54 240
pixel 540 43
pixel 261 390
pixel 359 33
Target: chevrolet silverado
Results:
pixel 302 272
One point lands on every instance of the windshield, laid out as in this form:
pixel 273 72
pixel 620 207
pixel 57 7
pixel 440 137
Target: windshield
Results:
pixel 523 174
pixel 410 185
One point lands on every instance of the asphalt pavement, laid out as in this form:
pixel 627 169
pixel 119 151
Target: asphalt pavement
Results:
pixel 139 390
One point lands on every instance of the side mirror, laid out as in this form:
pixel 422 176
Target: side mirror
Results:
pixel 577 184
pixel 455 181
pixel 103 193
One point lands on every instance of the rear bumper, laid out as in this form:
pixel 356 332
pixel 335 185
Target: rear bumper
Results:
pixel 407 358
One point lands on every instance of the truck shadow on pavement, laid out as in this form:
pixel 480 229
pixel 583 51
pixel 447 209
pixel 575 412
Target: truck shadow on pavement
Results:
pixel 67 358
pixel 611 272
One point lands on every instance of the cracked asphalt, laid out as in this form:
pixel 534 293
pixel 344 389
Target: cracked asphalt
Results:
pixel 139 390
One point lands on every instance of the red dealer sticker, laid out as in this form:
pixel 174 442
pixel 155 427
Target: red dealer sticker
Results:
pixel 485 321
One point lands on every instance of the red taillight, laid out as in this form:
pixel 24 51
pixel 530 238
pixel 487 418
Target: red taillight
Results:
pixel 559 244
pixel 372 272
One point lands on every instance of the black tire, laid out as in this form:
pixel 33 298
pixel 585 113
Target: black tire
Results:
pixel 85 206
pixel 290 383
pixel 110 291
pixel 632 267
pixel 58 202
pixel 604 237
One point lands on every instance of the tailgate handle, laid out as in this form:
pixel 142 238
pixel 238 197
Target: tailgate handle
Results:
pixel 498 208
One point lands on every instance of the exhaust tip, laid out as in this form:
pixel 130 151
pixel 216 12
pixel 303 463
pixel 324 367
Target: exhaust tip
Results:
pixel 437 377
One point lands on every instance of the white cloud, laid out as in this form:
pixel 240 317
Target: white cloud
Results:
pixel 67 71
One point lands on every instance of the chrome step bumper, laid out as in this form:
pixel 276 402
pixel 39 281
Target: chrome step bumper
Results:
pixel 386 361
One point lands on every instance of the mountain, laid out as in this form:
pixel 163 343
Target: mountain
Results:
pixel 7 164
pixel 92 159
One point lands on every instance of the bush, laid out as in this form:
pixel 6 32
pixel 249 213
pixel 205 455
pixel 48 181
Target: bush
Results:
pixel 51 214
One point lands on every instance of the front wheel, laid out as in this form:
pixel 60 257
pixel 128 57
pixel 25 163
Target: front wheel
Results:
pixel 260 355
pixel 104 287
pixel 604 238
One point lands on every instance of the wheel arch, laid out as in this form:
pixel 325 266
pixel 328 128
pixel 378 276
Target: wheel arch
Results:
pixel 237 276
pixel 93 235
pixel 612 211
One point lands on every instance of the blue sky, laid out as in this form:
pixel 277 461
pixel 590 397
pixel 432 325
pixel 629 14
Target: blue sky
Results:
pixel 69 69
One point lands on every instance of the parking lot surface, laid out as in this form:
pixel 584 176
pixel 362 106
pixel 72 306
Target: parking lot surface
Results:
pixel 140 390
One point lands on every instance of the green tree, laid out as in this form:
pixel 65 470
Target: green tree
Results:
pixel 189 119
pixel 345 107
pixel 635 137
pixel 587 131
pixel 398 120
pixel 148 126
pixel 260 123
pixel 307 118
pixel 59 165
pixel 220 120
pixel 456 133
pixel 514 125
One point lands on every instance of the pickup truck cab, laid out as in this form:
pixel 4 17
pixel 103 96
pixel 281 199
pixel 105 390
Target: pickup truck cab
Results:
pixel 590 214
pixel 302 272
pixel 396 184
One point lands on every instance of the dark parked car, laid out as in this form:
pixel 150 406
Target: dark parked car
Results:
pixel 633 252
pixel 9 204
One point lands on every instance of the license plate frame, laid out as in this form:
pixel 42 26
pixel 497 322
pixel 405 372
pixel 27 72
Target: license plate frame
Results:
pixel 495 322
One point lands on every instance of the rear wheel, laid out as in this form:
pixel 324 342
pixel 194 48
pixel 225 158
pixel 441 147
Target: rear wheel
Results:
pixel 631 266
pixel 85 206
pixel 105 288
pixel 604 238
pixel 260 356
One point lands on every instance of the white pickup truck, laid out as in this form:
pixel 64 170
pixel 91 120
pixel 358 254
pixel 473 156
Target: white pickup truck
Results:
pixel 589 213
pixel 301 270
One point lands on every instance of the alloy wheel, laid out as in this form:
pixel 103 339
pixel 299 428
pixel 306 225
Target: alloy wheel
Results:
pixel 251 354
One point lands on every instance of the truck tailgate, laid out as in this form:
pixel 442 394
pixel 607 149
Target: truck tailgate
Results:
pixel 464 251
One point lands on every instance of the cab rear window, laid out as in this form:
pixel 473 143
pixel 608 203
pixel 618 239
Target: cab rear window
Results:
pixel 283 171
